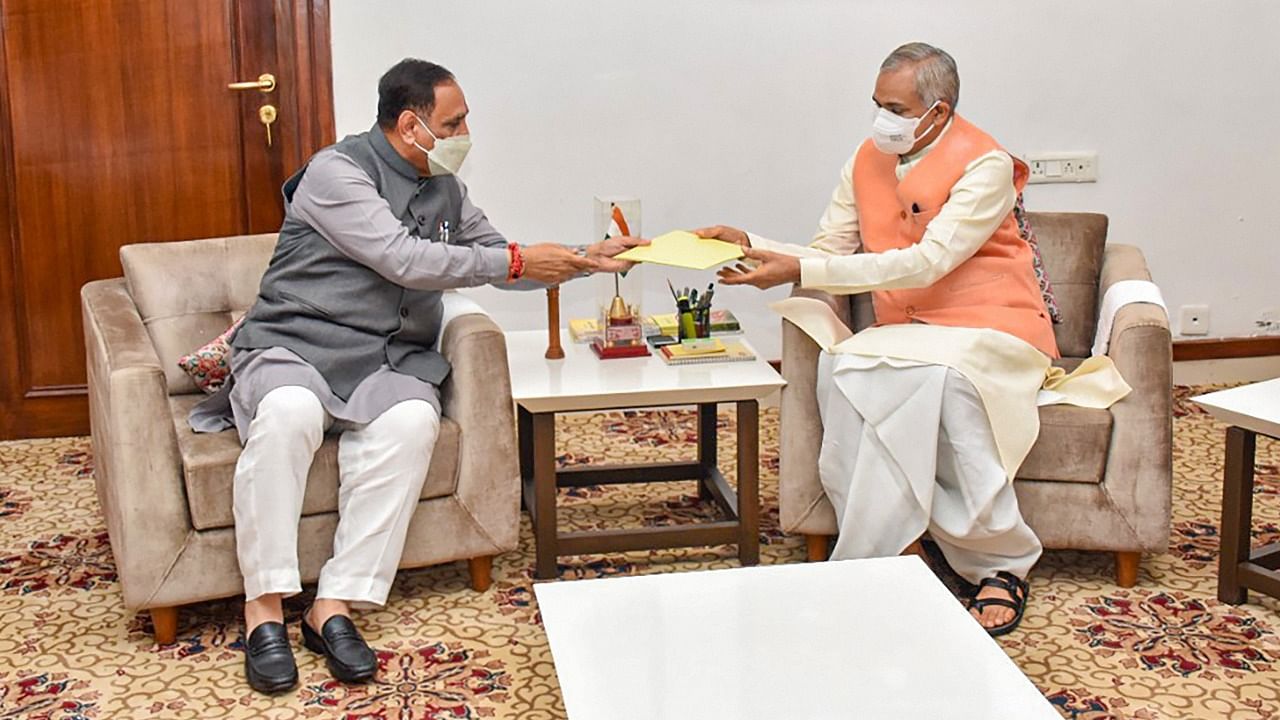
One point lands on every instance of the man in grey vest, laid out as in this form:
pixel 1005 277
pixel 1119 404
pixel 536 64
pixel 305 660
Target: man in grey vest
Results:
pixel 341 336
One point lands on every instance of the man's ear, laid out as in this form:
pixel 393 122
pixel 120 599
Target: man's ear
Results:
pixel 944 111
pixel 405 124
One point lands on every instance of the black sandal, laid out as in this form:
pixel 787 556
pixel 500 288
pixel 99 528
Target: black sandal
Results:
pixel 1017 589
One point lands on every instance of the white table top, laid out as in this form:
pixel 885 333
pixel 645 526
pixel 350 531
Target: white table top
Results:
pixel 878 638
pixel 582 381
pixel 1253 407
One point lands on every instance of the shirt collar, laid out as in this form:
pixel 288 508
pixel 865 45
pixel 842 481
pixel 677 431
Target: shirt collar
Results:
pixel 382 146
pixel 919 154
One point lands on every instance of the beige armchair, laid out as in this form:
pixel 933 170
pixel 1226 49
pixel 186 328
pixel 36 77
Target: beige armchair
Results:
pixel 1095 479
pixel 166 491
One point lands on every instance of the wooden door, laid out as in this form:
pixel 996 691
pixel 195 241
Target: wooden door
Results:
pixel 117 126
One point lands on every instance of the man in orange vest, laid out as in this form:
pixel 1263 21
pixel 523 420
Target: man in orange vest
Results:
pixel 922 219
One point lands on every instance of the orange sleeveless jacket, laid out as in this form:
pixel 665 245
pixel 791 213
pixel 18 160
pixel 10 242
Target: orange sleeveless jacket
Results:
pixel 996 288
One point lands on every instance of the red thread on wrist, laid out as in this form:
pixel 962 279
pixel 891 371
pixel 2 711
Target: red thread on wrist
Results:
pixel 516 269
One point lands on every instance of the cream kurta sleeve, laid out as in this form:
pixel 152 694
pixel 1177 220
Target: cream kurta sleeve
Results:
pixel 981 200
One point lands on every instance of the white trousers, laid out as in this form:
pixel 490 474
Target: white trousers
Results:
pixel 381 466
pixel 908 448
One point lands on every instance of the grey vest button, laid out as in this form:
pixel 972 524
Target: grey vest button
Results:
pixel 404 312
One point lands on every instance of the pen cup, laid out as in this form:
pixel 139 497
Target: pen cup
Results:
pixel 702 321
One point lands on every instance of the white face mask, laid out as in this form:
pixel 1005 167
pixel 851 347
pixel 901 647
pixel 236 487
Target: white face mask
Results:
pixel 894 134
pixel 446 157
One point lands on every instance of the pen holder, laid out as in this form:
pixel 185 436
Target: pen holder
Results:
pixel 702 321
pixel 692 323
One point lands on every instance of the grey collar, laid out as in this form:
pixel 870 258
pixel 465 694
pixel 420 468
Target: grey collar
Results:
pixel 382 146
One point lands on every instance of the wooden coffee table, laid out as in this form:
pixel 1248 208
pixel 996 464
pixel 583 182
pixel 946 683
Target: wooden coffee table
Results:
pixel 1250 410
pixel 582 382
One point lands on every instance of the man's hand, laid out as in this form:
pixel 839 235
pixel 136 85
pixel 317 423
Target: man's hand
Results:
pixel 771 269
pixel 553 264
pixel 725 233
pixel 602 253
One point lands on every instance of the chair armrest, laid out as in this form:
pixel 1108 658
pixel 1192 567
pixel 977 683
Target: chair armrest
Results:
pixel 137 466
pixel 477 396
pixel 1140 463
pixel 1140 343
pixel 802 503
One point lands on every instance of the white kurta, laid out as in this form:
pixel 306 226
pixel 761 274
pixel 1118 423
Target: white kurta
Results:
pixel 916 436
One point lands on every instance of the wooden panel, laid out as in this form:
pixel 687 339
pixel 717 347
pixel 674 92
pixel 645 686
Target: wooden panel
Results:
pixel 1223 348
pixel 116 127
pixel 123 135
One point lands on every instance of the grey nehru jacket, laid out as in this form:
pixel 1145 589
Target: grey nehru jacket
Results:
pixel 350 305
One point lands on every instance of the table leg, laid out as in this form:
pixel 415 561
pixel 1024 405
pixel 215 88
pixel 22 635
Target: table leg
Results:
pixel 524 437
pixel 748 482
pixel 543 442
pixel 1237 514
pixel 706 448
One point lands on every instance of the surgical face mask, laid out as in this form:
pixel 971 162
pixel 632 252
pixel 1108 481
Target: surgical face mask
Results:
pixel 446 157
pixel 894 134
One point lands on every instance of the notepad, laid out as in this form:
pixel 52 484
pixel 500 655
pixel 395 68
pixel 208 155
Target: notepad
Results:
pixel 733 352
pixel 680 248
pixel 694 349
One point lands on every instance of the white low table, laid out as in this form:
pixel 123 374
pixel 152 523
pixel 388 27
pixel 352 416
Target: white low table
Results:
pixel 1251 410
pixel 542 388
pixel 876 638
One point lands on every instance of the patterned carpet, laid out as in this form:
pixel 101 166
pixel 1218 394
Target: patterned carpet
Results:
pixel 68 649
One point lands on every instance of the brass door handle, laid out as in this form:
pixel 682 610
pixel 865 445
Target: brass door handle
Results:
pixel 266 82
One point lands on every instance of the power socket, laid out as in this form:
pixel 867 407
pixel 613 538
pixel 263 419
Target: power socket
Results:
pixel 1193 320
pixel 1063 167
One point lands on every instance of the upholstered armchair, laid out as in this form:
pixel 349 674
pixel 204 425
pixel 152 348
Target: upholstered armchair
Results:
pixel 166 491
pixel 1095 479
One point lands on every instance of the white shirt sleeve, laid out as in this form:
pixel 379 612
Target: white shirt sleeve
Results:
pixel 981 200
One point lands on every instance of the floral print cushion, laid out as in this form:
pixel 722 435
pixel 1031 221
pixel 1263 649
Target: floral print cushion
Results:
pixel 208 365
pixel 1046 287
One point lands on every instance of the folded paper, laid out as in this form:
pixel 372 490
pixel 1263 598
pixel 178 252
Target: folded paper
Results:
pixel 683 249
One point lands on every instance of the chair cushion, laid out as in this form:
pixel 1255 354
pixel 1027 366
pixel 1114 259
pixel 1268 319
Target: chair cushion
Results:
pixel 1072 446
pixel 209 463
pixel 188 292
pixel 1037 262
pixel 1072 246
pixel 208 365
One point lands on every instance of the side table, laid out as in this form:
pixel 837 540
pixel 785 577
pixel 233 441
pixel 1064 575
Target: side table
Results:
pixel 582 382
pixel 1251 410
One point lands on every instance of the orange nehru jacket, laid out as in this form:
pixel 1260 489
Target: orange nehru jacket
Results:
pixel 996 288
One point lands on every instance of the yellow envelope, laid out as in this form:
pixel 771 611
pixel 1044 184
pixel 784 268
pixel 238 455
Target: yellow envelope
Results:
pixel 680 248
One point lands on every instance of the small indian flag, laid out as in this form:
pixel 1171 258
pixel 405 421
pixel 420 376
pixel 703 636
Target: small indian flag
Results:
pixel 617 224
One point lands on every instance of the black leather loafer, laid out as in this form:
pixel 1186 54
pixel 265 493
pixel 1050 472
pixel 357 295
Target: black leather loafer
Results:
pixel 268 659
pixel 348 656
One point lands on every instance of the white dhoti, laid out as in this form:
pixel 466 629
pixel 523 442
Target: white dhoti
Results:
pixel 382 465
pixel 908 447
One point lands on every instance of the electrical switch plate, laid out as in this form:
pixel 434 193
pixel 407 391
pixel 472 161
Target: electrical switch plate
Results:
pixel 1193 320
pixel 1063 167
